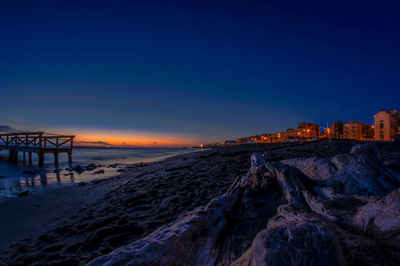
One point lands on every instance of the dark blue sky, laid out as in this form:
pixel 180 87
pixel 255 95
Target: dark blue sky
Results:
pixel 209 70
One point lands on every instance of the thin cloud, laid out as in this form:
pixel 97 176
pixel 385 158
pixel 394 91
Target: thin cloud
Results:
pixel 6 128
pixel 93 143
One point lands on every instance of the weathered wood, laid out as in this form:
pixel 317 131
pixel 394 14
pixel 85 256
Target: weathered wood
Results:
pixel 41 159
pixel 16 157
pixel 70 158
pixel 37 142
pixel 56 160
pixel 40 140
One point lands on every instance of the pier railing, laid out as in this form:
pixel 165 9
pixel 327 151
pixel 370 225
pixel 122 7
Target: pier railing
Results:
pixel 36 142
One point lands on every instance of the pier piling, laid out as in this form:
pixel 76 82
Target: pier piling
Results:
pixel 15 157
pixel 70 159
pixel 41 159
pixel 37 142
pixel 56 160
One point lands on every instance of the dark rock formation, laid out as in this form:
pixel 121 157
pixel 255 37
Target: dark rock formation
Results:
pixel 90 167
pixel 294 240
pixel 380 217
pixel 78 169
pixel 99 172
pixel 304 211
pixel 25 193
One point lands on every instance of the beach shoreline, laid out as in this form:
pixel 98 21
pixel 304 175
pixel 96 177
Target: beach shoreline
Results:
pixel 74 225
pixel 44 210
pixel 90 164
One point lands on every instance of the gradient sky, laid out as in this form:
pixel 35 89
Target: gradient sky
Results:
pixel 177 72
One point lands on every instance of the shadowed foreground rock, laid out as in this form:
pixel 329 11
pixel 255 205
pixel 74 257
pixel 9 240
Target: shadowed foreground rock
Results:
pixel 310 211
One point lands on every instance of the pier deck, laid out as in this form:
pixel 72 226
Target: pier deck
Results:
pixel 36 142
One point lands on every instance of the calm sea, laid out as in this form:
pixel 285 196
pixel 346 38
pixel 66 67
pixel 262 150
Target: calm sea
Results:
pixel 15 179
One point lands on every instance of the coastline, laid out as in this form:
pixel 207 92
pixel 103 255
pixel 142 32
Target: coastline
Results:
pixel 74 225
pixel 46 210
pixel 89 164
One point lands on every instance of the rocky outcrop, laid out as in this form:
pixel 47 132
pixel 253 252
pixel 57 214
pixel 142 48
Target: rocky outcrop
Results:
pixel 193 233
pixel 380 217
pixel 294 240
pixel 313 211
pixel 359 172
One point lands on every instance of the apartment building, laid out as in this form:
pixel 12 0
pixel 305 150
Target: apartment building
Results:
pixel 335 131
pixel 357 130
pixel 387 125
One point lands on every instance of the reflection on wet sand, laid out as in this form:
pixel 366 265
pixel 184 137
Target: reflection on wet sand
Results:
pixel 90 164
pixel 40 179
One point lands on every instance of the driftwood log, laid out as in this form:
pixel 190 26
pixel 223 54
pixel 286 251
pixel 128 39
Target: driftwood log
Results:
pixel 342 210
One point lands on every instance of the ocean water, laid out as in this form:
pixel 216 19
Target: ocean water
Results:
pixel 16 179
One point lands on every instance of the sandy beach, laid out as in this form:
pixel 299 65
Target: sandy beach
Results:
pixel 74 225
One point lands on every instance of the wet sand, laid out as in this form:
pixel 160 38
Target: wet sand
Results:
pixel 73 225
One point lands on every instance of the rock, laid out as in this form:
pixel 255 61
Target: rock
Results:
pixel 254 176
pixel 82 183
pixel 191 233
pixel 315 167
pixel 99 172
pixel 363 173
pixel 380 217
pixel 366 147
pixel 25 193
pixel 291 242
pixel 90 167
pixel 359 172
pixel 115 165
pixel 78 169
pixel 312 211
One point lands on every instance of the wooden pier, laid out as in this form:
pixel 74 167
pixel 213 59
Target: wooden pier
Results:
pixel 36 142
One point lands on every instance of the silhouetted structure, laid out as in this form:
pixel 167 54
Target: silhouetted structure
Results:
pixel 36 142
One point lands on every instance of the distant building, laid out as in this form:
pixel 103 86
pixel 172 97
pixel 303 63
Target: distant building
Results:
pixel 303 132
pixel 387 125
pixel 285 136
pixel 308 130
pixel 358 131
pixel 335 131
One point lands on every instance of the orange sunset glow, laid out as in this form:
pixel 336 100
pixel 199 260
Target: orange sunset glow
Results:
pixel 127 138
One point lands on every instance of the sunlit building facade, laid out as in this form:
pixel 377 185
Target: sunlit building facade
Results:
pixel 387 125
pixel 358 131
